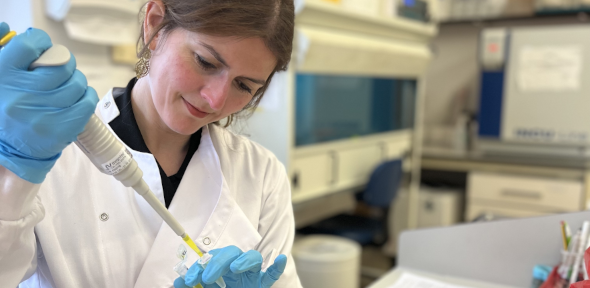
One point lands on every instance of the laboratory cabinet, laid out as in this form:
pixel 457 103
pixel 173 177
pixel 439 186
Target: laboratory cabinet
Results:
pixel 349 101
pixel 339 165
pixel 482 210
pixel 505 195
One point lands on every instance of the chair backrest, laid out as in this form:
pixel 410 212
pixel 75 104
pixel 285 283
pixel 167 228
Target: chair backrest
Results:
pixel 383 184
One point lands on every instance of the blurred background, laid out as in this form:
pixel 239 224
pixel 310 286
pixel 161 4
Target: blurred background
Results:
pixel 394 114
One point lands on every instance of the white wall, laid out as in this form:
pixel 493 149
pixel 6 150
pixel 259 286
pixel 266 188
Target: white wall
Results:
pixel 452 73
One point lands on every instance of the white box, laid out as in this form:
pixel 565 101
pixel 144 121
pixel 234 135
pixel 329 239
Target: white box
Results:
pixel 436 208
pixel 547 105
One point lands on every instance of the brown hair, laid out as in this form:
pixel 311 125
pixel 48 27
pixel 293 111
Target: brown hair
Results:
pixel 271 20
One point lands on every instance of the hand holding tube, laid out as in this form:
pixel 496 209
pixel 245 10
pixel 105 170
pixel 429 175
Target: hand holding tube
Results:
pixel 238 269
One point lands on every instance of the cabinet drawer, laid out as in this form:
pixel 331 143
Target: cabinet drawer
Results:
pixel 355 165
pixel 476 210
pixel 397 149
pixel 561 194
pixel 312 173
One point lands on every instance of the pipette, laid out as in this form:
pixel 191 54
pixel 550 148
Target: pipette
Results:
pixel 112 158
pixel 57 55
pixel 107 153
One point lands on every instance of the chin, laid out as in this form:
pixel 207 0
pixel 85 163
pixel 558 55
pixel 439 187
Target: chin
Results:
pixel 184 126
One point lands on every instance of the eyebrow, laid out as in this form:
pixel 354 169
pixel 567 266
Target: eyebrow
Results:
pixel 215 54
pixel 220 59
pixel 261 82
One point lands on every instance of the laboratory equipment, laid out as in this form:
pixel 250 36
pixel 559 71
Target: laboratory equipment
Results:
pixel 112 158
pixel 57 55
pixel 534 98
pixel 33 135
pixel 413 9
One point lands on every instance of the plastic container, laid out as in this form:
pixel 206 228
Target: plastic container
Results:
pixel 327 261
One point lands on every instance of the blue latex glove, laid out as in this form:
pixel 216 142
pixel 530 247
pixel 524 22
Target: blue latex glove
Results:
pixel 41 111
pixel 4 29
pixel 239 270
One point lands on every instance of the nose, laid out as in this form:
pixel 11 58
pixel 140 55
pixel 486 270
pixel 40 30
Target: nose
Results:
pixel 216 91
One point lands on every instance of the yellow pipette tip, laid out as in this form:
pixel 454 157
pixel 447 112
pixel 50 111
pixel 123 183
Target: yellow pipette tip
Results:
pixel 192 244
pixel 7 38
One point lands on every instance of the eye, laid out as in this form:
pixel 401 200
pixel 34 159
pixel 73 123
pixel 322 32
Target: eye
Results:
pixel 203 63
pixel 244 87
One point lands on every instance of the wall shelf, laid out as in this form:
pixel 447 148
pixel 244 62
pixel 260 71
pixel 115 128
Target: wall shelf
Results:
pixel 321 14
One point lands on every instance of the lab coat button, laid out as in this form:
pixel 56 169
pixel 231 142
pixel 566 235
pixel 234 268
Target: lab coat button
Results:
pixel 104 217
pixel 206 241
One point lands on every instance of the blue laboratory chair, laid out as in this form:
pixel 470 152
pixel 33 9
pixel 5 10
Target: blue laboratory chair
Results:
pixel 380 191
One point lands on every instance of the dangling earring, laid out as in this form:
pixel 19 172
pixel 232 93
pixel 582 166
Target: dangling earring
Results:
pixel 142 67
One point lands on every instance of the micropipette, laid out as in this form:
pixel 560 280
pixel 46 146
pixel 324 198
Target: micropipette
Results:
pixel 107 153
pixel 57 55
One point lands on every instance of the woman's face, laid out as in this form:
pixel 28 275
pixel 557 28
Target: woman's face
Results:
pixel 196 79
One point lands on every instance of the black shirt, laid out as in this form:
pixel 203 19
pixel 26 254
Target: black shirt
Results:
pixel 126 128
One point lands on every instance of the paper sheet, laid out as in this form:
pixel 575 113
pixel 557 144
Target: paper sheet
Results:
pixel 550 68
pixel 409 280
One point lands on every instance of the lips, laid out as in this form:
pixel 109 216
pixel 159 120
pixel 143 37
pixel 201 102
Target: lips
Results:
pixel 194 110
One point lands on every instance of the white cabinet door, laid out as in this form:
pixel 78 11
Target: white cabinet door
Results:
pixel 312 174
pixel 396 149
pixel 355 165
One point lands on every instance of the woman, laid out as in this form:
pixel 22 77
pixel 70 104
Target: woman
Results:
pixel 64 224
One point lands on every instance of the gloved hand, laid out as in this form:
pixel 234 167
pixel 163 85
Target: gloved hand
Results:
pixel 239 270
pixel 41 111
pixel 4 29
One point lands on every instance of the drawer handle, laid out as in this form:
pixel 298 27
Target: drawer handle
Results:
pixel 295 180
pixel 335 162
pixel 521 194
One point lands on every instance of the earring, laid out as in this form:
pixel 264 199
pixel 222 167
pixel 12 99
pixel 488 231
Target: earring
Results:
pixel 142 67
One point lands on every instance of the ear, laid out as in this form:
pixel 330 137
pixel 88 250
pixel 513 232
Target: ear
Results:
pixel 154 15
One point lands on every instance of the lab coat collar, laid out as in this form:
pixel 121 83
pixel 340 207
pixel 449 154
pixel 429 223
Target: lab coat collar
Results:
pixel 107 109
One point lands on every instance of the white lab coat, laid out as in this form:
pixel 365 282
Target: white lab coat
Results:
pixel 97 233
